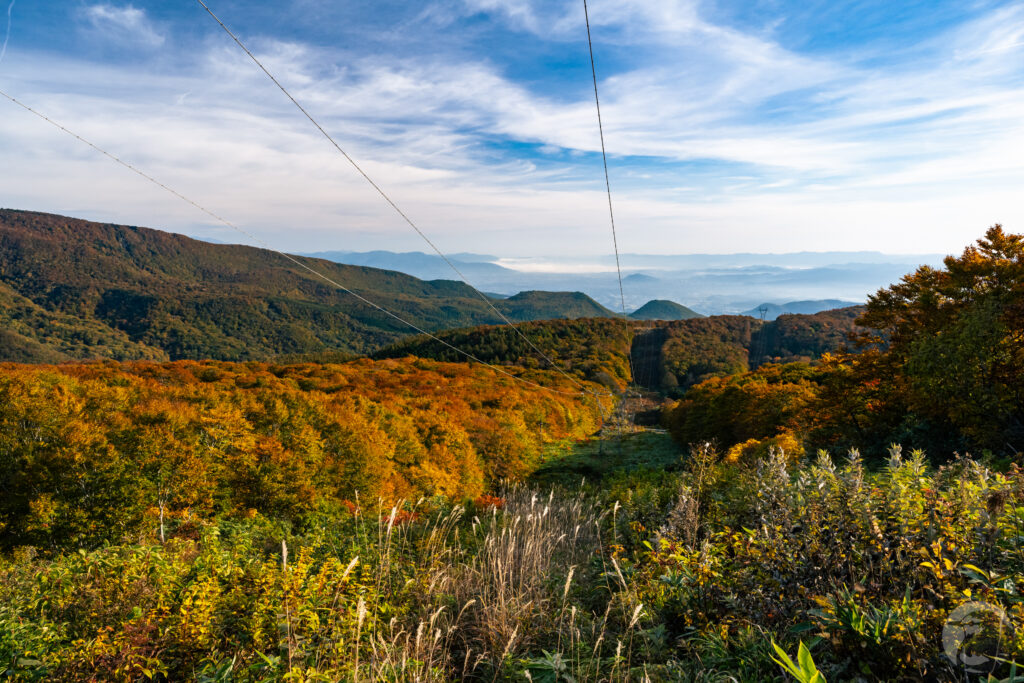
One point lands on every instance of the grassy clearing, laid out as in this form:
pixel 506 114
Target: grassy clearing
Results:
pixel 569 462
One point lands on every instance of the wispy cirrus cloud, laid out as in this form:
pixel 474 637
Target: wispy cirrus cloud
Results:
pixel 7 31
pixel 718 135
pixel 127 24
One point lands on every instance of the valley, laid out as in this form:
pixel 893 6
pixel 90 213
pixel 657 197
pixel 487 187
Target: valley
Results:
pixel 213 469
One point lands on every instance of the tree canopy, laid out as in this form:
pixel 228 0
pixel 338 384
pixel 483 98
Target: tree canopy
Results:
pixel 956 336
pixel 940 366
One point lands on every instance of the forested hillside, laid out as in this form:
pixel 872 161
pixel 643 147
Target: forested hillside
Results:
pixel 660 309
pixel 220 521
pixel 90 453
pixel 536 305
pixel 72 289
pixel 593 349
pixel 666 355
pixel 801 337
pixel 695 350
pixel 939 367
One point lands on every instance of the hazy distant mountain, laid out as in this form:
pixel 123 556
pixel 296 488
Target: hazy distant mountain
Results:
pixel 639 279
pixel 661 309
pixel 470 257
pixel 420 265
pixel 773 311
pixel 75 289
pixel 710 284
pixel 805 259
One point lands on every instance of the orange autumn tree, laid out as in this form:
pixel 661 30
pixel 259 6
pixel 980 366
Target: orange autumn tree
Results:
pixel 747 408
pixel 102 451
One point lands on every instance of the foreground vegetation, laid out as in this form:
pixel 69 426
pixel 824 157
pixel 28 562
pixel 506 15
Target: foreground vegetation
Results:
pixel 655 576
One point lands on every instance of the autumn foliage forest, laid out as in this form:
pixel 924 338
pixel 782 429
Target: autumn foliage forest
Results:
pixel 102 448
pixel 939 365
pixel 829 492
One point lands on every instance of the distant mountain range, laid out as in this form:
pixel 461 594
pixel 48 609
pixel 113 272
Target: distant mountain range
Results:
pixel 773 311
pixel 74 289
pixel 709 284
pixel 801 259
pixel 420 265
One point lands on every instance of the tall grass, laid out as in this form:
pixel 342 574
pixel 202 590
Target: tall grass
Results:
pixel 655 576
pixel 494 589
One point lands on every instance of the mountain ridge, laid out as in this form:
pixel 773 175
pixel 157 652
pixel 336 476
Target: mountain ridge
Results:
pixel 76 289
pixel 809 307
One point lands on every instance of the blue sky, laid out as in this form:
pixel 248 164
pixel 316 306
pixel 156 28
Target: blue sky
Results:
pixel 758 125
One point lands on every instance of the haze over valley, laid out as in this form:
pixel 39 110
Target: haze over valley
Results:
pixel 710 284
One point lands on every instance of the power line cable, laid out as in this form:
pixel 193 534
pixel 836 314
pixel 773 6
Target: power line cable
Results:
pixel 611 215
pixel 382 193
pixel 289 257
pixel 604 159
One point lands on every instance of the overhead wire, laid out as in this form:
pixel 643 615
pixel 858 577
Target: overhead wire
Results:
pixel 608 188
pixel 382 193
pixel 584 390
pixel 604 159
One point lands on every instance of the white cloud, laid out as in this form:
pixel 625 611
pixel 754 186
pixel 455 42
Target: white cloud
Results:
pixel 564 19
pixel 918 157
pixel 126 24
